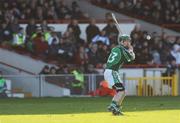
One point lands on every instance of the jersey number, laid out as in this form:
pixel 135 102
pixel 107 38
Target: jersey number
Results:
pixel 112 57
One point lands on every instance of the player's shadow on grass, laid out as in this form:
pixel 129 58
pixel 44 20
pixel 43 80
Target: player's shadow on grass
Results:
pixel 84 105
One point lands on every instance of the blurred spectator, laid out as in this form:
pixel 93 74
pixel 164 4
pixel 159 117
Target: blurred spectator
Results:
pixel 45 70
pixel 147 57
pixel 39 13
pixel 53 38
pixel 5 32
pixel 74 5
pixel 19 38
pixel 156 57
pixel 27 13
pixel 101 38
pixel 69 37
pixel 78 83
pixel 63 12
pixel 166 56
pixel 108 17
pixel 14 26
pixel 47 34
pixel 52 70
pixel 175 52
pixel 81 56
pixel 37 43
pixel 92 54
pixel 63 70
pixel 53 48
pixel 31 28
pixel 63 50
pixel 111 31
pixel 170 68
pixel 136 34
pixel 3 86
pixel 102 53
pixel 51 13
pixel 44 26
pixel 1 15
pixel 92 30
pixel 76 29
pixel 67 45
pixel 76 13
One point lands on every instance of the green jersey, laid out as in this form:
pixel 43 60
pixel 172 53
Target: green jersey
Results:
pixel 119 55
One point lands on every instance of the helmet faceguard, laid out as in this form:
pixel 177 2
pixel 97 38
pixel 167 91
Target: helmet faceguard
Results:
pixel 124 37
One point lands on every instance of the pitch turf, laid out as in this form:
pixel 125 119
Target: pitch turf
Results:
pixel 89 110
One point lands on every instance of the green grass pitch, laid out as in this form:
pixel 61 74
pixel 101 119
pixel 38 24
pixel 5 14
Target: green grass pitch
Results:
pixel 89 110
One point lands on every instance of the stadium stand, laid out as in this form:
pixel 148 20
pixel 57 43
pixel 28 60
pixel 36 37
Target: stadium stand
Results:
pixel 42 42
pixel 154 11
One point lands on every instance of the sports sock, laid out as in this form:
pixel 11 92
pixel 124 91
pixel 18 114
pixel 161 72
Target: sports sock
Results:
pixel 122 98
pixel 119 97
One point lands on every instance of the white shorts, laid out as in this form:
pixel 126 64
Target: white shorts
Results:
pixel 112 77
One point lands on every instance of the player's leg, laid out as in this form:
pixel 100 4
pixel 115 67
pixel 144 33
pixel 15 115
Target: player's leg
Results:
pixel 109 78
pixel 119 87
pixel 117 99
pixel 119 96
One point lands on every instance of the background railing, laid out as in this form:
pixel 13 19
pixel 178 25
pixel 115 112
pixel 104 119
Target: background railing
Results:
pixel 62 85
pixel 155 86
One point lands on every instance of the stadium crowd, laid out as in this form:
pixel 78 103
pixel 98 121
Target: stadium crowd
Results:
pixel 39 10
pixel 155 11
pixel 70 48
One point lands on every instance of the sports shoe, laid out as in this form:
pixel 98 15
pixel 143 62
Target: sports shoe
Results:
pixel 111 107
pixel 117 112
pixel 115 109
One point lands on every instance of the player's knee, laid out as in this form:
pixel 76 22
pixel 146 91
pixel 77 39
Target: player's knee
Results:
pixel 119 87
